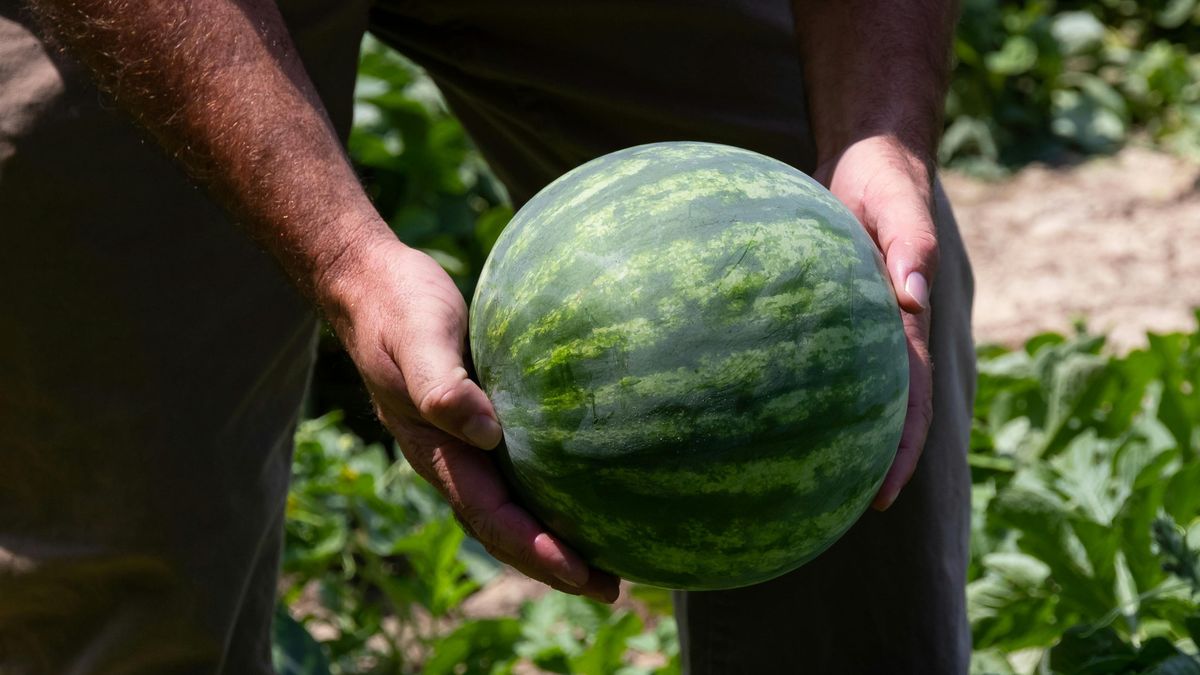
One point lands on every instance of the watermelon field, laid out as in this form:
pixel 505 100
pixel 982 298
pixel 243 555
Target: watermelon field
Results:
pixel 1072 156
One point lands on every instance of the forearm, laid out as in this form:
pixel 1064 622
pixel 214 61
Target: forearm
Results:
pixel 219 84
pixel 876 67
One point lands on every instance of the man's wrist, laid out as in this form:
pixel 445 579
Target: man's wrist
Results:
pixel 918 165
pixel 346 261
pixel 875 69
pixel 910 136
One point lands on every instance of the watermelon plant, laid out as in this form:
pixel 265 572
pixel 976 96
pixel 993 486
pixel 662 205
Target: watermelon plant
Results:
pixel 376 571
pixel 1086 516
pixel 697 360
pixel 1046 80
pixel 1085 539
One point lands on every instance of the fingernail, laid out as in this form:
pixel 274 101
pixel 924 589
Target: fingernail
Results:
pixel 607 597
pixel 884 501
pixel 918 288
pixel 482 431
pixel 576 575
pixel 573 575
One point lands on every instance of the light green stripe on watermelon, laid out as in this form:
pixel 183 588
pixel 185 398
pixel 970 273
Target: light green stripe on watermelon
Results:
pixel 697 360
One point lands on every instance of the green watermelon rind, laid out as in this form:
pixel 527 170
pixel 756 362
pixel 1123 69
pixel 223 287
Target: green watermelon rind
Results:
pixel 703 379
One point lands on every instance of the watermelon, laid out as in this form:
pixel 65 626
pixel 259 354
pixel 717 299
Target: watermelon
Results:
pixel 698 362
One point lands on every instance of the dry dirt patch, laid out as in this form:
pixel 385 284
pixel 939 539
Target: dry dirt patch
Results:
pixel 1115 240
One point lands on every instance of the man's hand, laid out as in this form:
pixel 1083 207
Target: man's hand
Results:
pixel 875 74
pixel 888 190
pixel 404 322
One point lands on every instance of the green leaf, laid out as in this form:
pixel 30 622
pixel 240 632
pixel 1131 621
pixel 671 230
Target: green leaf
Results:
pixel 608 645
pixel 967 134
pixel 1136 518
pixel 657 600
pixel 554 629
pixel 490 224
pixel 1012 365
pixel 1180 664
pixel 476 647
pixel 1077 32
pixel 1017 56
pixel 1154 652
pixel 1076 382
pixel 1176 13
pixel 1178 557
pixel 1047 530
pixel 1174 409
pixel 480 565
pixel 441 577
pixel 1086 122
pixel 293 649
pixel 990 462
pixel 1011 606
pixel 1083 651
pixel 1133 375
pixel 1193 628
pixel 990 662
pixel 1085 477
pixel 667 632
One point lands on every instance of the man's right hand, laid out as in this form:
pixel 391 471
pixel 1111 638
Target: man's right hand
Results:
pixel 404 323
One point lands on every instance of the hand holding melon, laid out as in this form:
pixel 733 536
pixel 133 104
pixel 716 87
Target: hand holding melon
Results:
pixel 888 188
pixel 404 322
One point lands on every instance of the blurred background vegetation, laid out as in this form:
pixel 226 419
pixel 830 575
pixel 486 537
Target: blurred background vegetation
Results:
pixel 1085 468
pixel 1048 81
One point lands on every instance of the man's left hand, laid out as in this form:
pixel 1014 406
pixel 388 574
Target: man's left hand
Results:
pixel 889 190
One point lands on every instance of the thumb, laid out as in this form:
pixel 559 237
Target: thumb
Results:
pixel 908 239
pixel 443 393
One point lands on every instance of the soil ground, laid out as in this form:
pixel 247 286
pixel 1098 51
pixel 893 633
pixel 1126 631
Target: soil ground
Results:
pixel 1115 241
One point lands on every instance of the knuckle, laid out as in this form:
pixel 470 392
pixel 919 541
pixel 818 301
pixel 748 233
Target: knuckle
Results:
pixel 434 403
pixel 477 523
pixel 924 413
pixel 525 559
pixel 440 400
pixel 932 250
pixel 923 242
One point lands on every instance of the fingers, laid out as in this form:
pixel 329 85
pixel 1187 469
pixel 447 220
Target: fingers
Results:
pixel 471 483
pixel 919 415
pixel 456 405
pixel 601 587
pixel 908 239
pixel 408 342
pixel 473 486
pixel 889 189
